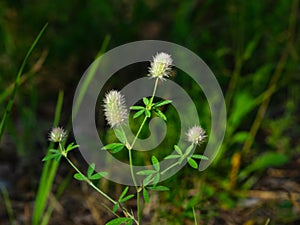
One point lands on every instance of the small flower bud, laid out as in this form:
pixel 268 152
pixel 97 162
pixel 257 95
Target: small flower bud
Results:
pixel 196 135
pixel 115 108
pixel 160 66
pixel 57 135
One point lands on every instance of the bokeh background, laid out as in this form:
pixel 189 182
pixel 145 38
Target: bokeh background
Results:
pixel 251 46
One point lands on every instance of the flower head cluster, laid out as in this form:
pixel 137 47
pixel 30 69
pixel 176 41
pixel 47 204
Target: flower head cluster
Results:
pixel 160 66
pixel 115 109
pixel 58 134
pixel 196 135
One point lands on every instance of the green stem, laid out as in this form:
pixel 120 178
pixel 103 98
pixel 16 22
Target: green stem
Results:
pixel 89 182
pixel 170 167
pixel 130 153
pixel 139 206
pixel 154 90
pixel 138 133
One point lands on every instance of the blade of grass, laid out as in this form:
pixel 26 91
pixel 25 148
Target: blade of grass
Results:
pixel 17 81
pixel 8 206
pixel 60 190
pixel 90 75
pixel 48 174
pixel 33 71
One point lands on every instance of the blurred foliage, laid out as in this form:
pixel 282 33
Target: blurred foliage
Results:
pixel 245 43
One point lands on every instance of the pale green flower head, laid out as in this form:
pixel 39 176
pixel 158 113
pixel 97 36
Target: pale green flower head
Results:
pixel 196 135
pixel 160 66
pixel 58 134
pixel 115 109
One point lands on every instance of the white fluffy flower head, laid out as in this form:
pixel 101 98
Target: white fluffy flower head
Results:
pixel 58 134
pixel 196 135
pixel 160 66
pixel 115 109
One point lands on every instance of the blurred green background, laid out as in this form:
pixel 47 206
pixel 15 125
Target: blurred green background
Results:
pixel 251 46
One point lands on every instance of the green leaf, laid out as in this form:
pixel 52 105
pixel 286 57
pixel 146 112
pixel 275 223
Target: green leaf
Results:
pixel 177 149
pixel 188 150
pixel 137 107
pixel 147 113
pixel 79 176
pixel 155 163
pixel 146 101
pixel 197 156
pixel 137 114
pixel 51 156
pixel 160 114
pixel 124 192
pixel 127 198
pixel 146 195
pixel 71 146
pixel 146 181
pixel 119 221
pixel 181 159
pixel 156 179
pixel 90 170
pixel 99 175
pixel 159 188
pixel 115 208
pixel 193 163
pixel 146 172
pixel 120 135
pixel 55 151
pixel 113 147
pixel 161 103
pixel 172 156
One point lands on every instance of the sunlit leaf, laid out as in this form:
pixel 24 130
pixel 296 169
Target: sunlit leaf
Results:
pixel 146 101
pixel 79 176
pixel 139 113
pixel 161 103
pixel 192 163
pixel 90 170
pixel 155 163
